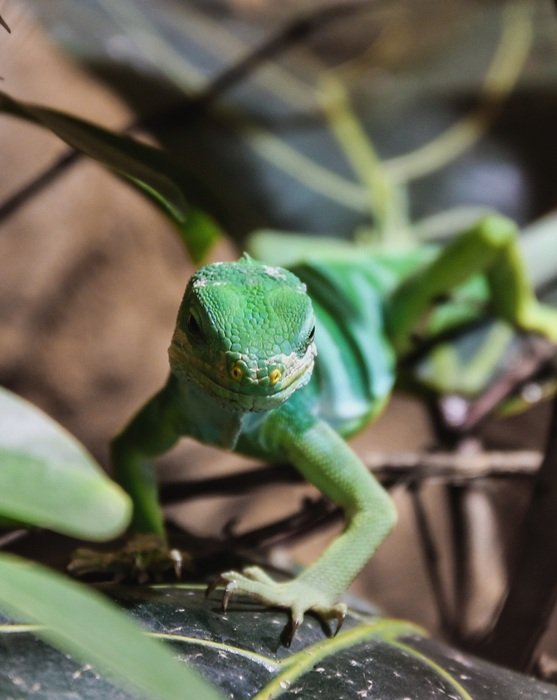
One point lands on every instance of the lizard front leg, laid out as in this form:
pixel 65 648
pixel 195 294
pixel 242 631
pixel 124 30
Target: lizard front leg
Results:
pixel 326 461
pixel 152 431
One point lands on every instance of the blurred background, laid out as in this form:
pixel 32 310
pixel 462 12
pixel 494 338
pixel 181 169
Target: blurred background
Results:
pixel 458 103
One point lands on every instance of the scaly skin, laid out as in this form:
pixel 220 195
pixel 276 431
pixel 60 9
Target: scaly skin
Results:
pixel 241 360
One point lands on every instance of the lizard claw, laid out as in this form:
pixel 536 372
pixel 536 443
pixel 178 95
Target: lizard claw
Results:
pixel 143 558
pixel 289 632
pixel 336 612
pixel 177 559
pixel 339 616
pixel 231 586
pixel 213 585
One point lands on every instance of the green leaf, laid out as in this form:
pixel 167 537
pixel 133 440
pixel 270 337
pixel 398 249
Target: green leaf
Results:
pixel 48 479
pixel 148 168
pixel 86 625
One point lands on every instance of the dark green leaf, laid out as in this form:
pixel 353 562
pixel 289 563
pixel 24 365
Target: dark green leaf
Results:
pixel 371 657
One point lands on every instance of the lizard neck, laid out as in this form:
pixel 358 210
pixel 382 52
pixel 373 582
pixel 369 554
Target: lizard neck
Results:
pixel 211 420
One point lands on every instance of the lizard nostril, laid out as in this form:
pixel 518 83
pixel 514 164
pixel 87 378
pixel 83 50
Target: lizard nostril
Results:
pixel 274 376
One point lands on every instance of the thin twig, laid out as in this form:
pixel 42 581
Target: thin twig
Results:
pixel 431 560
pixel 461 555
pixel 295 31
pixel 229 485
pixel 313 515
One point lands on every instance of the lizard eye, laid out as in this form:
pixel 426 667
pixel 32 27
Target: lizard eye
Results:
pixel 193 326
pixel 237 372
pixel 307 342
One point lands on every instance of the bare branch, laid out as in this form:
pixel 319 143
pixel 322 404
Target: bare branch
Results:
pixel 13 536
pixel 391 468
pixel 4 24
pixel 532 591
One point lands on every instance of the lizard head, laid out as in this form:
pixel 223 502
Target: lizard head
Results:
pixel 245 334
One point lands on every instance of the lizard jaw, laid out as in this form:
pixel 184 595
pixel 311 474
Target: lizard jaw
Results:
pixel 257 395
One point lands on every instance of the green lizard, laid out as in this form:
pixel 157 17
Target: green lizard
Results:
pixel 284 364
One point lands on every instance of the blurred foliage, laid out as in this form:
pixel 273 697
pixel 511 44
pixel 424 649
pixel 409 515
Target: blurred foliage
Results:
pixel 261 142
pixel 48 480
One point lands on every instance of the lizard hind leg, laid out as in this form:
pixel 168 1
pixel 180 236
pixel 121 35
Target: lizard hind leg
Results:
pixel 490 248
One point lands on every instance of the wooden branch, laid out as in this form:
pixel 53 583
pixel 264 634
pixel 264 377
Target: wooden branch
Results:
pixel 454 467
pixel 391 468
pixel 532 591
pixel 12 536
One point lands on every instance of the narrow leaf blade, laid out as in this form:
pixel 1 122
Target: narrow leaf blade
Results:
pixel 148 168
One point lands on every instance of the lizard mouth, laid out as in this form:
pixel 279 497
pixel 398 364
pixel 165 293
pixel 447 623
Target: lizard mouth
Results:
pixel 251 395
pixel 250 401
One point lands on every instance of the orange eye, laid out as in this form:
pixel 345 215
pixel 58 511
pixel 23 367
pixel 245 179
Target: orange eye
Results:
pixel 274 376
pixel 237 372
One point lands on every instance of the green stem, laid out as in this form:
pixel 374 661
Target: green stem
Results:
pixel 500 79
pixel 385 200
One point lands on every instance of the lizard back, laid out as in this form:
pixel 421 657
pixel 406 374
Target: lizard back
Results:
pixel 355 365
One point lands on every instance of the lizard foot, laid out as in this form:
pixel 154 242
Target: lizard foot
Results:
pixel 297 596
pixel 542 319
pixel 143 558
